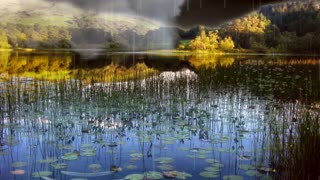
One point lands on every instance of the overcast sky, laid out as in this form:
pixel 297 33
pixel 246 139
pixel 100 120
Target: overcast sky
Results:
pixel 184 13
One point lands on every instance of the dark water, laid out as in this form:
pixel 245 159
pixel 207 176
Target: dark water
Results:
pixel 77 115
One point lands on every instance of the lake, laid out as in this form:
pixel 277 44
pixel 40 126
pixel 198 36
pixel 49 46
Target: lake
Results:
pixel 92 115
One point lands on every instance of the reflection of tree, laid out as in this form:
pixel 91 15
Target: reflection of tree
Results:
pixel 115 72
pixel 56 66
pixel 210 62
pixel 36 65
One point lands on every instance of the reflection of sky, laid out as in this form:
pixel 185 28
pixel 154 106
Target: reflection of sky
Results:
pixel 216 110
pixel 172 104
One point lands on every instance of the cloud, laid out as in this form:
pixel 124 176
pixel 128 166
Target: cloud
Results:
pixel 215 12
pixel 164 10
pixel 183 13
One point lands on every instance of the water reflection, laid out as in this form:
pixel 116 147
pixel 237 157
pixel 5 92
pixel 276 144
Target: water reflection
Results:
pixel 228 119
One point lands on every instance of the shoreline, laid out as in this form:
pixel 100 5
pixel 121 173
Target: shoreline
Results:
pixel 169 52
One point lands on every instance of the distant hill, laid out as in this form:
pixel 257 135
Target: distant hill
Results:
pixel 56 25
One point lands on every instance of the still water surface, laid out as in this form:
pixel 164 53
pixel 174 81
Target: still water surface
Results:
pixel 136 116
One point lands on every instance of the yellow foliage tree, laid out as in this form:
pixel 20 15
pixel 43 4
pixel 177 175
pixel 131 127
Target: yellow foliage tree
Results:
pixel 226 43
pixel 252 23
pixel 4 44
pixel 205 42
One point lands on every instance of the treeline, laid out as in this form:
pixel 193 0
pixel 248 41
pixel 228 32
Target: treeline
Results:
pixel 34 36
pixel 291 27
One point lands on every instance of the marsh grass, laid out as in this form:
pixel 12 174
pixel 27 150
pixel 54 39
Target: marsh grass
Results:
pixel 295 144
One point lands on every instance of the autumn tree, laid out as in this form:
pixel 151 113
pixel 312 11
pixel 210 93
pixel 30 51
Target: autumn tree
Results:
pixel 4 44
pixel 205 42
pixel 226 43
pixel 248 30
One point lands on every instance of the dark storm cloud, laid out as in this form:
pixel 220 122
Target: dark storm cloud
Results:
pixel 154 9
pixel 184 13
pixel 215 12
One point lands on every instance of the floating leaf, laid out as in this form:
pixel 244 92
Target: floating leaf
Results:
pixel 232 177
pixel 201 156
pixel 59 165
pixel 253 173
pixel 183 175
pixel 42 174
pixel 164 160
pixel 153 175
pixel 132 167
pixel 208 174
pixel 134 177
pixel 212 161
pixel 95 166
pixel 136 155
pixel 49 160
pixel 69 156
pixel 86 145
pixel 265 169
pixel 267 178
pixel 212 169
pixel 183 148
pixel 218 165
pixel 18 164
pixel 246 167
pixel 88 152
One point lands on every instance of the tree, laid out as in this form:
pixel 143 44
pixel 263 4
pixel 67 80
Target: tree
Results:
pixel 205 42
pixel 253 23
pixel 4 44
pixel 227 43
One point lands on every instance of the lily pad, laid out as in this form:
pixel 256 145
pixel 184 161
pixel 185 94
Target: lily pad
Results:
pixel 59 165
pixel 246 167
pixel 212 169
pixel 49 160
pixel 164 160
pixel 208 174
pixel 86 145
pixel 212 161
pixel 69 156
pixel 218 165
pixel 201 156
pixel 18 164
pixel 88 152
pixel 265 169
pixel 253 173
pixel 42 174
pixel 134 177
pixel 95 167
pixel 183 175
pixel 153 175
pixel 136 155
pixel 232 177
pixel 165 167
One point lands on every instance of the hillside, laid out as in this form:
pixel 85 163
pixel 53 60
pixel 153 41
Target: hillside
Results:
pixel 289 27
pixel 34 25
